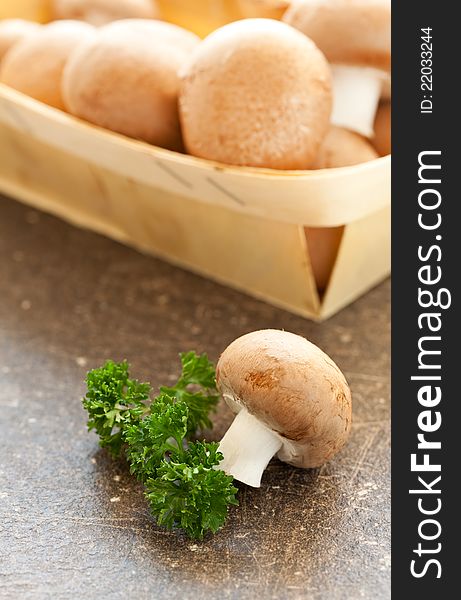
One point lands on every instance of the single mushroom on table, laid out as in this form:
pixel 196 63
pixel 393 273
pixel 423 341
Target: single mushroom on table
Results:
pixel 355 36
pixel 291 401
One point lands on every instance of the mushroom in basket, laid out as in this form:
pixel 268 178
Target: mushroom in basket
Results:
pixel 13 31
pixel 355 36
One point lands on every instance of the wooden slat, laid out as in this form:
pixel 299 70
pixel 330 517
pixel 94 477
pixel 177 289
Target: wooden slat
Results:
pixel 323 198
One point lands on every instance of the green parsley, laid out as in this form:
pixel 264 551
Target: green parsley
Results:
pixel 114 401
pixel 197 388
pixel 190 493
pixel 184 487
pixel 160 434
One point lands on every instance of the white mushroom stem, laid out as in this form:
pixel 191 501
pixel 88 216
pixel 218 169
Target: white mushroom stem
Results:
pixel 356 93
pixel 247 447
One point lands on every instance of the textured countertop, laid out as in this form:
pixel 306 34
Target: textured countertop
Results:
pixel 74 524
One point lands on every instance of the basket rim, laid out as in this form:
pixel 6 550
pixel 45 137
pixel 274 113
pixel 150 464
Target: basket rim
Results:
pixel 39 107
pixel 315 198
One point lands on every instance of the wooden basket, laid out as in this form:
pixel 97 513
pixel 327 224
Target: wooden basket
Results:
pixel 242 227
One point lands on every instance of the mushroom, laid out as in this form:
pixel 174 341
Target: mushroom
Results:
pixel 386 90
pixel 126 79
pixel 340 148
pixel 269 9
pixel 382 136
pixel 355 36
pixel 343 148
pixel 34 66
pixel 101 12
pixel 256 93
pixel 13 31
pixel 291 401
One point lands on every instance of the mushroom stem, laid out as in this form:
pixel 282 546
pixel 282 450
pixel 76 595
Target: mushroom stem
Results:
pixel 356 93
pixel 247 447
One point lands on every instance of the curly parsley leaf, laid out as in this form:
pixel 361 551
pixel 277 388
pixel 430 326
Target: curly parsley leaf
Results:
pixel 198 370
pixel 184 488
pixel 192 495
pixel 197 388
pixel 161 433
pixel 114 402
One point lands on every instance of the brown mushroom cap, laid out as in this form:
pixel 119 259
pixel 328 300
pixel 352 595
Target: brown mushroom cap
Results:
pixel 35 65
pixel 386 90
pixel 269 9
pixel 342 148
pixel 126 79
pixel 324 244
pixel 101 12
pixel 256 93
pixel 293 388
pixel 352 32
pixel 13 31
pixel 382 137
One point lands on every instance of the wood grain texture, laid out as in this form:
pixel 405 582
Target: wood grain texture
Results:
pixel 74 524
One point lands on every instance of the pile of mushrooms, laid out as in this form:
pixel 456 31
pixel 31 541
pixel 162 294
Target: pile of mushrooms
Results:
pixel 308 92
pixel 257 92
pixel 290 400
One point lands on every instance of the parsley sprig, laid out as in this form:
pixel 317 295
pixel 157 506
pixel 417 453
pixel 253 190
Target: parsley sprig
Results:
pixel 190 493
pixel 197 388
pixel 114 401
pixel 183 486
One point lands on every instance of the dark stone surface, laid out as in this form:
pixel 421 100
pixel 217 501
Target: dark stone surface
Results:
pixel 74 524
